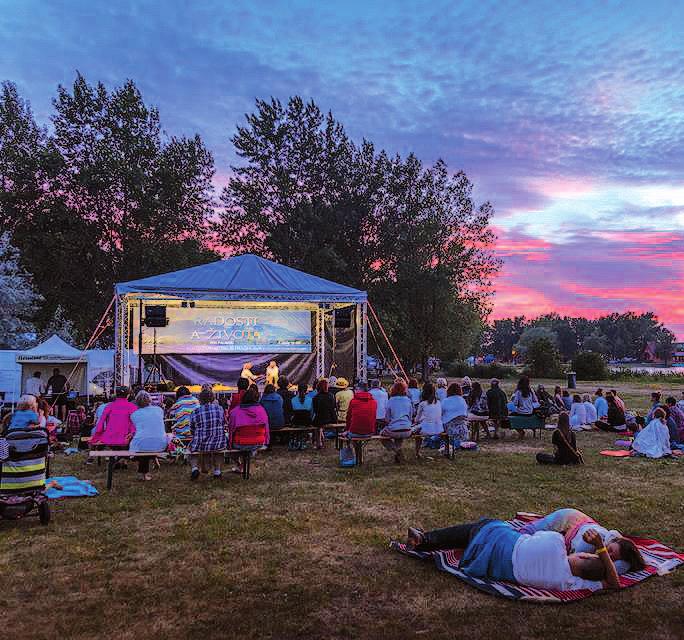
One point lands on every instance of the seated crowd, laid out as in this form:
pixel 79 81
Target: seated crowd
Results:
pixel 204 427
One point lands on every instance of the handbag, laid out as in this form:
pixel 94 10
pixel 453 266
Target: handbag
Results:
pixel 347 456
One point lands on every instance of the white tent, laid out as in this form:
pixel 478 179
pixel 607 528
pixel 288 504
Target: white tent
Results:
pixel 54 353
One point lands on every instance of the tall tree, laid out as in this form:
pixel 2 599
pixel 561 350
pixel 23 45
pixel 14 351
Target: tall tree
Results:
pixel 18 298
pixel 308 196
pixel 28 161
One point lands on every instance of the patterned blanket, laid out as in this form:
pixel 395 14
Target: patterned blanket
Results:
pixel 659 561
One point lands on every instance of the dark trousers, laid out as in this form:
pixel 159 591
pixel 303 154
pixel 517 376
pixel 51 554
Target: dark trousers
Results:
pixel 144 464
pixel 604 426
pixel 456 537
pixel 546 458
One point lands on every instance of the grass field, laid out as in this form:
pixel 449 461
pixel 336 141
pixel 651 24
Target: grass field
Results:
pixel 300 550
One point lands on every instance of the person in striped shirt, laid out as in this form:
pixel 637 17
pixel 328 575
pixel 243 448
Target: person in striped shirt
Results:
pixel 181 411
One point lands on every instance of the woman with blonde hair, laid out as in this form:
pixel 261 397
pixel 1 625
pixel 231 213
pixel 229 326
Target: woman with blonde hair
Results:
pixel 26 414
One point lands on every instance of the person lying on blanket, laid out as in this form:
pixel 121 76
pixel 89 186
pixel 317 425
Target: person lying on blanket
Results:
pixel 572 524
pixel 495 550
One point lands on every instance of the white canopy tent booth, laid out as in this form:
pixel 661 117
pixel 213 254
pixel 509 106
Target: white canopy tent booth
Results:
pixel 244 308
pixel 51 354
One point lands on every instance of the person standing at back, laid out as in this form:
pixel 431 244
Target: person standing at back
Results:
pixel 34 386
pixel 58 387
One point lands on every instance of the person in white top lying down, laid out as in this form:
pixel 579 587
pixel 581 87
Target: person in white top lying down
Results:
pixel 495 550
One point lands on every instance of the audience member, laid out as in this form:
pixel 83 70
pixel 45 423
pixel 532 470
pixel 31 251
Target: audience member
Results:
pixel 564 444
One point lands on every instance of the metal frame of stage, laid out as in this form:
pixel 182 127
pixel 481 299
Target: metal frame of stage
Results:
pixel 129 303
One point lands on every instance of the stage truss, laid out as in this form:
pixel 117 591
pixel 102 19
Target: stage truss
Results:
pixel 127 304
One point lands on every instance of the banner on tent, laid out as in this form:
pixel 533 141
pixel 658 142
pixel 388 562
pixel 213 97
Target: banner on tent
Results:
pixel 193 330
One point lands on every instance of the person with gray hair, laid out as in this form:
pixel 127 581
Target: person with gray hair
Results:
pixel 149 434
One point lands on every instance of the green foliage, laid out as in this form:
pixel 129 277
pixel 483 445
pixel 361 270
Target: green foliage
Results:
pixel 107 197
pixel 542 358
pixel 616 335
pixel 534 334
pixel 590 365
pixel 18 298
pixel 596 342
pixel 459 369
pixel 411 235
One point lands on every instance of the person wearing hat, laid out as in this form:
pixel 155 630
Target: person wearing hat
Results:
pixel 343 398
pixel 497 402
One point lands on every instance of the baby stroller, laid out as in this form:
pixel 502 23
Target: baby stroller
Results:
pixel 22 475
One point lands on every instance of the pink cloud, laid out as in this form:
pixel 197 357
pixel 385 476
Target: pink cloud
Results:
pixel 592 274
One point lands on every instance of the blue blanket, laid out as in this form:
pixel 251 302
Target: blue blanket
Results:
pixel 72 487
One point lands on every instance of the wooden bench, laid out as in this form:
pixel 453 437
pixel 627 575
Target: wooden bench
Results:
pixel 245 456
pixel 113 454
pixel 358 443
pixel 336 427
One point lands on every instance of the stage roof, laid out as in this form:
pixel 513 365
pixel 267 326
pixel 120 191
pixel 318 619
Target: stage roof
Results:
pixel 243 278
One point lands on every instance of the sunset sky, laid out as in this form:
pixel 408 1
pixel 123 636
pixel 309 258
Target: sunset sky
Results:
pixel 570 120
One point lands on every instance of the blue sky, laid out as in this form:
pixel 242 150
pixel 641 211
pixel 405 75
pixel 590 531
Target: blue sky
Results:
pixel 567 116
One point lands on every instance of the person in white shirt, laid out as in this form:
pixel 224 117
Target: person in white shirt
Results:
pixel 247 373
pixel 573 524
pixel 34 386
pixel 494 550
pixel 455 413
pixel 680 403
pixel 381 398
pixel 653 441
pixel 428 417
pixel 592 415
pixel 578 413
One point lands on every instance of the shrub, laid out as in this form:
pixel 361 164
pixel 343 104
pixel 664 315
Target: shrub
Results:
pixel 543 359
pixel 482 371
pixel 590 365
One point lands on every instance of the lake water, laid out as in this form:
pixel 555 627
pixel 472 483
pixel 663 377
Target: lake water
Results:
pixel 648 368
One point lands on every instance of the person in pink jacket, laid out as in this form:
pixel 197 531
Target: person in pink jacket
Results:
pixel 248 423
pixel 114 428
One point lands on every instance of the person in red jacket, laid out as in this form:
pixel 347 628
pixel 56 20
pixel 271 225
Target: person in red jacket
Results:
pixel 361 413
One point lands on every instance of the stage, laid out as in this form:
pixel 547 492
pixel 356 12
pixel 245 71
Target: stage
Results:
pixel 243 309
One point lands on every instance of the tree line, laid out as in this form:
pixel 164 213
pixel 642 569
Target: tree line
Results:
pixel 104 195
pixel 615 336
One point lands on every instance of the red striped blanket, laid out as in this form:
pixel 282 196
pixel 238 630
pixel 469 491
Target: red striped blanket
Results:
pixel 659 560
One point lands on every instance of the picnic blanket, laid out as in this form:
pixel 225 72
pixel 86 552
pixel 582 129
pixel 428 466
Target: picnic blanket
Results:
pixel 72 487
pixel 659 561
pixel 612 453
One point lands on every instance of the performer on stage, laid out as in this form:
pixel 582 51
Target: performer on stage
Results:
pixel 272 373
pixel 247 373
